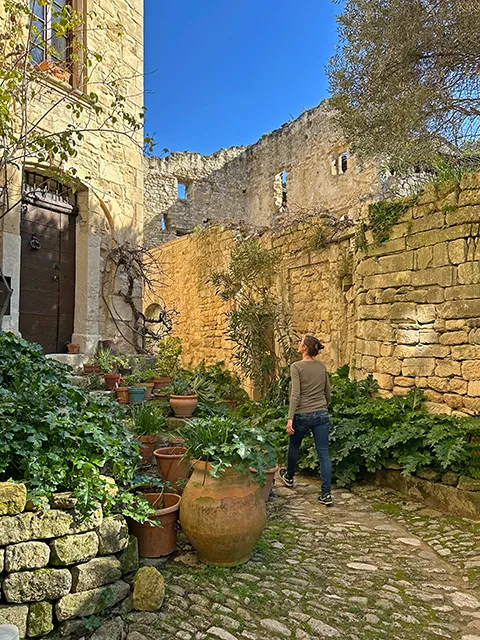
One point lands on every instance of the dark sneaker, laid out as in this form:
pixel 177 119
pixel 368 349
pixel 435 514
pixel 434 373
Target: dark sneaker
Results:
pixel 288 482
pixel 326 500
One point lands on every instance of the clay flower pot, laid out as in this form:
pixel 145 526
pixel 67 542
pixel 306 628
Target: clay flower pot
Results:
pixel 154 541
pixel 88 369
pixel 73 348
pixel 267 489
pixel 172 465
pixel 160 383
pixel 148 446
pixel 122 395
pixel 137 395
pixel 148 386
pixel 111 380
pixel 230 404
pixel 183 406
pixel 224 517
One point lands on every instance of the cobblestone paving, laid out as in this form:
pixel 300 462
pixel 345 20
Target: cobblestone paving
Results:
pixel 371 567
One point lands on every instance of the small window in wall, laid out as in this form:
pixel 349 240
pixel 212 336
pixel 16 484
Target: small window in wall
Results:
pixel 182 191
pixel 163 224
pixel 280 188
pixel 343 163
pixel 339 163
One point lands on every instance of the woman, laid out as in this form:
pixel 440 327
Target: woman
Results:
pixel 309 401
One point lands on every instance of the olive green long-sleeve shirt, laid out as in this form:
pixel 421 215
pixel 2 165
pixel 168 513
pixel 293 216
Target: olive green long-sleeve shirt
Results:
pixel 310 387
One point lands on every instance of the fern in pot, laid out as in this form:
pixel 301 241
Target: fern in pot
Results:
pixel 223 511
pixel 147 422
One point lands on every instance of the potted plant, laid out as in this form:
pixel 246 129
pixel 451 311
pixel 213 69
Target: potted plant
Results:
pixel 223 511
pixel 183 397
pixel 138 380
pixel 173 465
pixel 122 394
pixel 123 365
pixel 146 422
pixel 55 70
pixel 157 535
pixel 72 348
pixel 170 350
pixel 89 369
pixel 108 364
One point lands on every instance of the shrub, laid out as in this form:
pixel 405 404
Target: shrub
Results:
pixel 55 437
pixel 169 352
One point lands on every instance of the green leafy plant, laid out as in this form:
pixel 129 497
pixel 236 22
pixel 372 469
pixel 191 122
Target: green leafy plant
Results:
pixel 106 360
pixel 382 216
pixel 144 375
pixel 169 352
pixel 94 382
pixel 226 385
pixel 55 437
pixel 226 441
pixel 146 420
pixel 180 386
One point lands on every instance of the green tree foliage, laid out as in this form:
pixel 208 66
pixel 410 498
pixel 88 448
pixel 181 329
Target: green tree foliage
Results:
pixel 406 77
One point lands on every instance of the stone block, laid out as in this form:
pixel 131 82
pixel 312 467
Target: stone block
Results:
pixel 453 400
pixel 404 351
pixel 435 236
pixel 385 296
pixel 454 337
pixel 87 603
pixel 474 336
pixel 466 352
pixel 388 280
pixel 400 381
pixel 462 292
pixel 438 384
pixel 400 391
pixel 113 535
pixel 424 257
pixel 469 273
pixel 63 500
pixel 463 216
pixel 111 630
pixel 472 405
pixel 26 555
pixel 2 559
pixel 407 336
pixel 431 351
pixel 403 312
pixel 95 573
pixel 425 223
pixel 387 349
pixel 442 276
pixel 458 385
pixel 450 478
pixel 40 619
pixel 375 330
pixel 429 336
pixel 428 474
pixel 148 590
pixel 468 484
pixel 460 309
pixel 457 251
pixel 385 381
pixel 34 586
pixel 470 181
pixel 397 262
pixel 418 367
pixel 468 197
pixel 16 615
pixel 389 365
pixel 373 311
pixel 474 388
pixel 426 313
pixel 391 246
pixel 438 408
pixel 368 364
pixel 447 369
pixel 440 255
pixel 454 325
pixel 129 558
pixel 471 370
pixel 433 396
pixel 13 498
pixel 74 549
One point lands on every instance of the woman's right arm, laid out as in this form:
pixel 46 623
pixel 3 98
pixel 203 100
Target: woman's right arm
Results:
pixel 328 391
pixel 295 393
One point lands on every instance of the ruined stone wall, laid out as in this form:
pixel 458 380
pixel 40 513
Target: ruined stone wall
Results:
pixel 56 568
pixel 406 311
pixel 244 185
pixel 417 301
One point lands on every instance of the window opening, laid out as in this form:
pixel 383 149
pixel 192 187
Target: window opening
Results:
pixel 343 163
pixel 163 224
pixel 280 188
pixel 45 44
pixel 182 191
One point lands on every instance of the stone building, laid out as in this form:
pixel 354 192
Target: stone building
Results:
pixel 301 169
pixel 55 244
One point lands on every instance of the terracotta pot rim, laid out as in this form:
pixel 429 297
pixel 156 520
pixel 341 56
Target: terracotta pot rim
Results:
pixel 121 388
pixel 147 439
pixel 201 464
pixel 166 510
pixel 195 396
pixel 272 470
pixel 160 379
pixel 112 375
pixel 143 384
pixel 158 452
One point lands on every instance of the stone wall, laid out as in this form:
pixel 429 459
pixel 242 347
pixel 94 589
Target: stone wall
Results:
pixel 244 185
pixel 406 311
pixel 56 568
pixel 417 301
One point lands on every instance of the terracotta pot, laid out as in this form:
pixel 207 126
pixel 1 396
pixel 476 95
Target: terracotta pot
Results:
pixel 230 404
pixel 160 383
pixel 267 489
pixel 154 541
pixel 160 396
pixel 88 369
pixel 111 379
pixel 183 406
pixel 122 395
pixel 172 465
pixel 148 386
pixel 73 348
pixel 223 518
pixel 148 448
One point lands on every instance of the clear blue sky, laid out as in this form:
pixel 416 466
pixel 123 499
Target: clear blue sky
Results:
pixel 222 73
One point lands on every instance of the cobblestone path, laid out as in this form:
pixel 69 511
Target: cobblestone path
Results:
pixel 371 567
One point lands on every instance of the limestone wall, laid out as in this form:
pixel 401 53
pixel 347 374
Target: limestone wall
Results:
pixel 245 185
pixel 417 301
pixel 406 311
pixel 56 568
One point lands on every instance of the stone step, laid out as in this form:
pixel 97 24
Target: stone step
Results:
pixel 74 360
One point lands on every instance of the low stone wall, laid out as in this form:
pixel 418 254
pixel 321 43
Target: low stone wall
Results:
pixel 452 494
pixel 56 568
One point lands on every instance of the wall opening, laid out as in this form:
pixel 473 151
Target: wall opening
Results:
pixel 163 224
pixel 339 163
pixel 280 188
pixel 183 190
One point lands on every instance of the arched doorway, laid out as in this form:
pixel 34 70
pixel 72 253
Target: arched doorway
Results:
pixel 47 270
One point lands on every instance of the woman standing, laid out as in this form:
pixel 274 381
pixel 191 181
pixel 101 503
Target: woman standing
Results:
pixel 309 401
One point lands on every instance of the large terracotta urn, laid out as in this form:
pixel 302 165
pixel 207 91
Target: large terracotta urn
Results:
pixel 224 517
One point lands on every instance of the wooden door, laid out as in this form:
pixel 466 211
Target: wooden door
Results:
pixel 47 277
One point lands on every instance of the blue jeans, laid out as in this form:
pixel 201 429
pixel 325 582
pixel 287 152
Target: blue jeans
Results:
pixel 318 422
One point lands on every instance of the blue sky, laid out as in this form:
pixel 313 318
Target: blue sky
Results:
pixel 222 73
